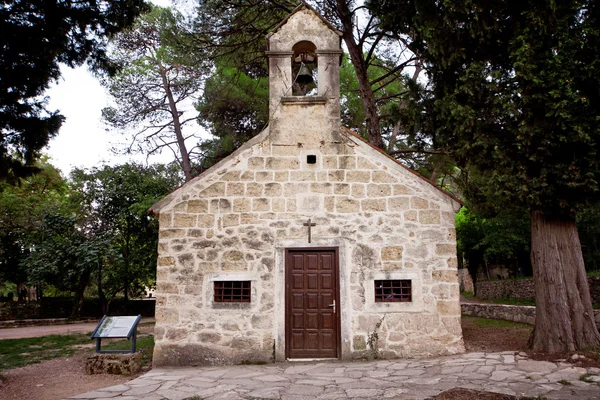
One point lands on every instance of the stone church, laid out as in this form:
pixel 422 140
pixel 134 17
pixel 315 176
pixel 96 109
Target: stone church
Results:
pixel 306 242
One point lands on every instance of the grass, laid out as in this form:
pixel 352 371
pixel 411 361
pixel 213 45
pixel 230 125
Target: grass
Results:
pixel 513 302
pixel 467 294
pixel 16 353
pixel 494 323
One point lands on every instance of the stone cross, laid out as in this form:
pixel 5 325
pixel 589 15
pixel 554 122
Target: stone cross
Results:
pixel 309 224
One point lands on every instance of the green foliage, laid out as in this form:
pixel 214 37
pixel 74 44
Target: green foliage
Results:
pixel 37 36
pixel 503 238
pixel 234 108
pixel 16 353
pixel 22 210
pixel 115 202
pixel 588 225
pixel 516 93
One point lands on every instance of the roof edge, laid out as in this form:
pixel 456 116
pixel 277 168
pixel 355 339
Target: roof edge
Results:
pixel 300 7
pixel 418 175
pixel 160 204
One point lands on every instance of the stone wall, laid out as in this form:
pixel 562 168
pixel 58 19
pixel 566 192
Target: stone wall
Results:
pixel 524 289
pixel 465 281
pixel 523 314
pixel 236 221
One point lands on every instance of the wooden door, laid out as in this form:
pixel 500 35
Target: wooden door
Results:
pixel 312 303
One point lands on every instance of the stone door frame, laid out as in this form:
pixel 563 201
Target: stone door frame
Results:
pixel 344 247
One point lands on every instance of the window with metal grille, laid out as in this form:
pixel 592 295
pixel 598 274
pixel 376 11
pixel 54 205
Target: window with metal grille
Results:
pixel 397 290
pixel 232 291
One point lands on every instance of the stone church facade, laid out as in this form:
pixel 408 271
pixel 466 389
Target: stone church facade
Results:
pixel 306 242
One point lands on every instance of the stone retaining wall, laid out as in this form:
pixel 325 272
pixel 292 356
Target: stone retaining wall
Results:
pixel 524 289
pixel 523 314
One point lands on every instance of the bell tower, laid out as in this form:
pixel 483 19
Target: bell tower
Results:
pixel 304 80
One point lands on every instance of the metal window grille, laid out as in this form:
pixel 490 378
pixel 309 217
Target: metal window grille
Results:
pixel 232 291
pixel 393 291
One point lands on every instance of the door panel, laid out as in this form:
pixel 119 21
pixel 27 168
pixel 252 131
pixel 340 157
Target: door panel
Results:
pixel 312 286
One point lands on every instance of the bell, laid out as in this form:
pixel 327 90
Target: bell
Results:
pixel 304 76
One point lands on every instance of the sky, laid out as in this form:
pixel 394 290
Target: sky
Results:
pixel 83 140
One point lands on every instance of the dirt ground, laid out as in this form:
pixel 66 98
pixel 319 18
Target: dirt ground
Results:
pixel 490 339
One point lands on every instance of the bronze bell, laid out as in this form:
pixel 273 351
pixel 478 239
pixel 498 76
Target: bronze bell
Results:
pixel 304 75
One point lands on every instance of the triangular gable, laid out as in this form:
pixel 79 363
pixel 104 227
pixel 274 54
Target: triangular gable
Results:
pixel 370 149
pixel 162 203
pixel 398 163
pixel 303 6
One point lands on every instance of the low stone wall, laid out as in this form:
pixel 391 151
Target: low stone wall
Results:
pixel 523 289
pixel 523 314
pixel 50 307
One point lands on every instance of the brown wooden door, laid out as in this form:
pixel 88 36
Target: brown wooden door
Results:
pixel 312 322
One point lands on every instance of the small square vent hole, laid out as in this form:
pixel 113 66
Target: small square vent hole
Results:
pixel 311 159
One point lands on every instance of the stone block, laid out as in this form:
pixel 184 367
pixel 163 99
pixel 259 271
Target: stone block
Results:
pixel 206 221
pixel 215 190
pixel 341 188
pixel 166 315
pixel 347 162
pixel 374 205
pixel 379 190
pixel 231 176
pixel 165 220
pixel 273 189
pixel 231 219
pixel 391 253
pixel 401 189
pixel 411 216
pixel 419 203
pixel 359 343
pixel 166 287
pixel 302 176
pixel 382 177
pixel 278 205
pixel 282 176
pixel 429 217
pixel 363 163
pixel 290 205
pixel 346 205
pixel 235 189
pixel 115 364
pixel 184 221
pixel 336 176
pixel 358 176
pixel 445 250
pixel 241 205
pixel 280 163
pixel 358 190
pixel 448 307
pixel 256 163
pixel 330 162
pixel 263 176
pixel 445 276
pixel 325 188
pixel 248 176
pixel 293 189
pixel 398 203
pixel 165 261
pixel 261 205
pixel 254 189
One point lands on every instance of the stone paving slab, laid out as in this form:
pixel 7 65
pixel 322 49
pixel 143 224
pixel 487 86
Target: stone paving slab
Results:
pixel 507 372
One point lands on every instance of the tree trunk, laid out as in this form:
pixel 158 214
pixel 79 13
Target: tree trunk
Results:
pixel 358 61
pixel 564 319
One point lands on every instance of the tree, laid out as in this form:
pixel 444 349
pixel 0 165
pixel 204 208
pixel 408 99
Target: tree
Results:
pixel 516 96
pixel 115 202
pixel 36 36
pixel 22 210
pixel 154 87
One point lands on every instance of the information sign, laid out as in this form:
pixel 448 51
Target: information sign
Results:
pixel 116 327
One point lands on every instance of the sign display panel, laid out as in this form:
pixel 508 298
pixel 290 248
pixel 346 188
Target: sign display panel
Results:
pixel 115 327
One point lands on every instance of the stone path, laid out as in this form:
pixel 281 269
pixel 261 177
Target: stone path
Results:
pixel 505 372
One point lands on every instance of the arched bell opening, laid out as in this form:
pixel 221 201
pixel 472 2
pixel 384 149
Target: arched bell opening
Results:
pixel 304 69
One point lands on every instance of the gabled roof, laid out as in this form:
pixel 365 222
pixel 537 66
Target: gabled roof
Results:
pixel 418 175
pixel 304 6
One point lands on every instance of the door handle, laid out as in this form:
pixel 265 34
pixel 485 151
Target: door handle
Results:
pixel 333 305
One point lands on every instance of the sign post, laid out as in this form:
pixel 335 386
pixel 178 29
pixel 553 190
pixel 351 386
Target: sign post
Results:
pixel 116 327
